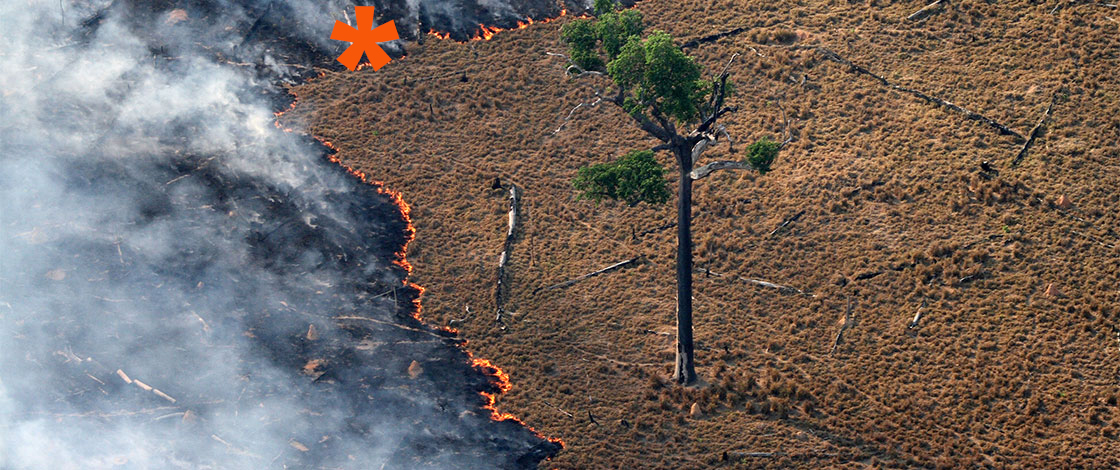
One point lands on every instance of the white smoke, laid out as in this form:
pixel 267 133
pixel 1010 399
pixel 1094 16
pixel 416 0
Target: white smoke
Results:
pixel 165 251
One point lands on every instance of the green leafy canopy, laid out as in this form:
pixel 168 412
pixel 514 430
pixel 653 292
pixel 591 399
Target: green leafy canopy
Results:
pixel 636 177
pixel 653 74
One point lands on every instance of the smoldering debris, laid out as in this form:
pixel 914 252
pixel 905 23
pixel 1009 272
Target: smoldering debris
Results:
pixel 166 254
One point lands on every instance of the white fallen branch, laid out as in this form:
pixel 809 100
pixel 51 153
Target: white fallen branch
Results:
pixel 849 321
pixel 514 199
pixel 786 222
pixel 780 288
pixel 926 11
pixel 598 99
pixel 917 317
pixel 706 170
pixel 588 275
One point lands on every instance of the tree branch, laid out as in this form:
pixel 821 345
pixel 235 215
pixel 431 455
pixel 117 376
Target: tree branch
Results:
pixel 665 122
pixel 698 134
pixel 706 170
pixel 709 139
pixel 644 123
pixel 720 91
pixel 593 104
pixel 581 72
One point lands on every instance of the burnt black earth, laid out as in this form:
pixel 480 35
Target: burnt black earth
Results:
pixel 184 285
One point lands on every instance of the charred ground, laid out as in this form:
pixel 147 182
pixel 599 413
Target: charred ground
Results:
pixel 184 285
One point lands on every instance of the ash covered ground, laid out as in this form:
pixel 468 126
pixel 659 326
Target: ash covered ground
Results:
pixel 183 285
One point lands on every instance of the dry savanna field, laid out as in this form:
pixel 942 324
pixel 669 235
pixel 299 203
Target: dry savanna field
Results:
pixel 1013 361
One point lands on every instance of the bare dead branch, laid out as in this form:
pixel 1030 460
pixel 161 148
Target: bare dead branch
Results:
pixel 917 316
pixel 514 198
pixel 588 275
pixel 852 67
pixel 709 139
pixel 926 11
pixel 723 73
pixel 706 170
pixel 598 99
pixel 848 322
pixel 581 72
pixel 780 288
pixel 559 409
pixel 786 222
pixel 703 127
pixel 713 37
pixel 1034 133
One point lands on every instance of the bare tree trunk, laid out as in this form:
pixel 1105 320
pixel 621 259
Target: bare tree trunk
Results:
pixel 684 372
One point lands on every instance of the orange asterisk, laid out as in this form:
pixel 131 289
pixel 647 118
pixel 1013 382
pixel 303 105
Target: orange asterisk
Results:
pixel 364 39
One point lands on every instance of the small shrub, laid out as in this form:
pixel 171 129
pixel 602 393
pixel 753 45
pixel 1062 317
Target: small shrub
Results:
pixel 761 154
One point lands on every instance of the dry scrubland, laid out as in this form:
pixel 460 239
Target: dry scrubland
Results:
pixel 997 374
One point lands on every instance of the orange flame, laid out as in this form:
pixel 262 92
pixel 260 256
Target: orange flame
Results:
pixel 485 33
pixel 499 378
pixel 491 370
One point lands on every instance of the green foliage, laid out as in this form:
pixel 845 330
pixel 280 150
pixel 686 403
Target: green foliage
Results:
pixel 672 78
pixel 582 39
pixel 761 154
pixel 636 177
pixel 589 38
pixel 628 70
pixel 605 6
pixel 655 72
pixel 616 28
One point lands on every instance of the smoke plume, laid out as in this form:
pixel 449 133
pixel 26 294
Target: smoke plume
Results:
pixel 182 285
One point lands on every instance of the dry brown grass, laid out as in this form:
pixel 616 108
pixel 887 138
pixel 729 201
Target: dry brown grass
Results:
pixel 997 374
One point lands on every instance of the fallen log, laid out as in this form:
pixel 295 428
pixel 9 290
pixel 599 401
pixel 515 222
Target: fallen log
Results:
pixel 660 228
pixel 926 11
pixel 788 221
pixel 514 199
pixel 1034 134
pixel 848 322
pixel 731 456
pixel 917 317
pixel 727 456
pixel 559 409
pixel 588 275
pixel 830 55
pixel 655 229
pixel 714 37
pixel 780 288
pixel 163 395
